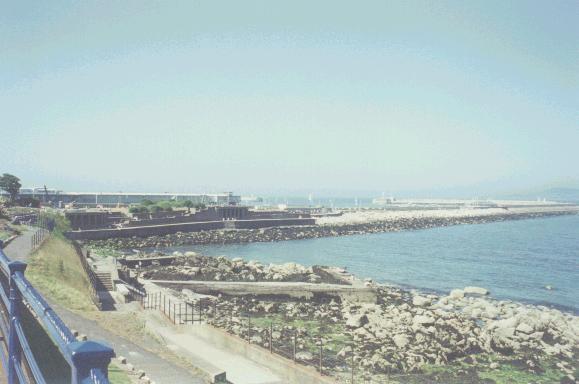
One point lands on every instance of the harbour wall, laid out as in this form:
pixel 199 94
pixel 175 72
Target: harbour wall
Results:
pixel 159 230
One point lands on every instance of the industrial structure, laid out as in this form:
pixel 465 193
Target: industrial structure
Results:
pixel 116 199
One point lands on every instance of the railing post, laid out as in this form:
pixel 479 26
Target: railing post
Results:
pixel 87 355
pixel 271 337
pixel 321 356
pixel 295 344
pixel 14 349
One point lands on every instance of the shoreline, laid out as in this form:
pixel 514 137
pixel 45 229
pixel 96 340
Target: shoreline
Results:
pixel 352 224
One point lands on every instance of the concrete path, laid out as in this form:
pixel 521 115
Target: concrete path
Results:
pixel 239 369
pixel 157 369
pixel 21 247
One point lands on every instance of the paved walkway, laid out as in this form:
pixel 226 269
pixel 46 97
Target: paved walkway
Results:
pixel 239 369
pixel 21 247
pixel 159 370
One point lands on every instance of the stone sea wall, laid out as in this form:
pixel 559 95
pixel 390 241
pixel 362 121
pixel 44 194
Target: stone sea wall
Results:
pixel 313 231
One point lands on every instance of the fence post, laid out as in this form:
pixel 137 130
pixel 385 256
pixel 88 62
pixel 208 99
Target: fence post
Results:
pixel 321 356
pixel 249 328
pixel 352 366
pixel 295 343
pixel 271 337
pixel 174 315
pixel 88 355
pixel 14 348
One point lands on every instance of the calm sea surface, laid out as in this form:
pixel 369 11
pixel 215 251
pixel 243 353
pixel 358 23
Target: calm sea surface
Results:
pixel 514 259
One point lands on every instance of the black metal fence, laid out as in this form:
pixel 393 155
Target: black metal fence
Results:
pixel 311 347
pixel 95 284
pixel 42 226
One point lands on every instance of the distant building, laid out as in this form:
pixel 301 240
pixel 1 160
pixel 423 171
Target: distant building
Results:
pixel 113 199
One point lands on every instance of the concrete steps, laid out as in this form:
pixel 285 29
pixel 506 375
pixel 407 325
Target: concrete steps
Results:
pixel 105 280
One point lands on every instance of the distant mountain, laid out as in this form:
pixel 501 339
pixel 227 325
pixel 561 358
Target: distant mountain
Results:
pixel 562 194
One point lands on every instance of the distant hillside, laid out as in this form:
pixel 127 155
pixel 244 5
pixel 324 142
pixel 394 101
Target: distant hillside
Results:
pixel 563 194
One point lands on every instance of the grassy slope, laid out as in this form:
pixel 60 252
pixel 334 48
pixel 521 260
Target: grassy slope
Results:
pixel 55 270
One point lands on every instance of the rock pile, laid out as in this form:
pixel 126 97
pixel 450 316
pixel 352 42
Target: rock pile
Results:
pixel 192 266
pixel 405 331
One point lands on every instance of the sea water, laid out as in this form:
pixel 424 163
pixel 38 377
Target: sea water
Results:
pixel 533 260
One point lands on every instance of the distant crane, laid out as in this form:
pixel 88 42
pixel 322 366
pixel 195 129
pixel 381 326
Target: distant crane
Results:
pixel 45 194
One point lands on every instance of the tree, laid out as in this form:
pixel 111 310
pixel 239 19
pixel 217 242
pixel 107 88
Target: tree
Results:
pixel 10 184
pixel 200 206
pixel 154 208
pixel 188 204
pixel 146 202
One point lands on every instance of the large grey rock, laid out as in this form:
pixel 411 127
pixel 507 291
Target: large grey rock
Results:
pixel 304 355
pixel 401 340
pixel 506 332
pixel 423 320
pixel 525 328
pixel 456 294
pixel 476 291
pixel 357 321
pixel 421 301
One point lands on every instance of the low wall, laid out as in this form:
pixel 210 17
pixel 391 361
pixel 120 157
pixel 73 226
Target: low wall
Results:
pixel 155 230
pixel 159 230
pixel 291 372
pixel 254 224
pixel 271 289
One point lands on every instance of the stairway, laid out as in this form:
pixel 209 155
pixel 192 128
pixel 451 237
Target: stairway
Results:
pixel 105 280
pixel 229 224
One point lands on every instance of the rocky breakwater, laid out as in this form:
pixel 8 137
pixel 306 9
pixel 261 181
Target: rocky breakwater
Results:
pixel 350 224
pixel 193 266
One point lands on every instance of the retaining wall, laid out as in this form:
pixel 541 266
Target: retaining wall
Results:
pixel 271 289
pixel 159 230
pixel 254 224
pixel 291 372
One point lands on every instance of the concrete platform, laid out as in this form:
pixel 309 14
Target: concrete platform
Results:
pixel 357 293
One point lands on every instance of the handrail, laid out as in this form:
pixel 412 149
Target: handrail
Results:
pixel 36 372
pixel 88 360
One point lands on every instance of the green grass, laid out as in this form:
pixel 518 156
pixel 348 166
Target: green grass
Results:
pixel 334 335
pixel 104 251
pixel 508 374
pixel 55 270
pixel 117 375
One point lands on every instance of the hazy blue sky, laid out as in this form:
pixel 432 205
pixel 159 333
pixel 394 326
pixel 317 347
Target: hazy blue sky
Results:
pixel 254 96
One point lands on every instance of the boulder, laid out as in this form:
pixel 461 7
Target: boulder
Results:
pixel 401 340
pixel 357 321
pixel 421 301
pixel 525 328
pixel 256 339
pixel 456 294
pixel 423 320
pixel 304 356
pixel 476 291
pixel 505 332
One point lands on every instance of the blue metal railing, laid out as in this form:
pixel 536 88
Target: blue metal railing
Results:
pixel 88 360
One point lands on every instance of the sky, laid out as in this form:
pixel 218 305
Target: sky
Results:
pixel 267 96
